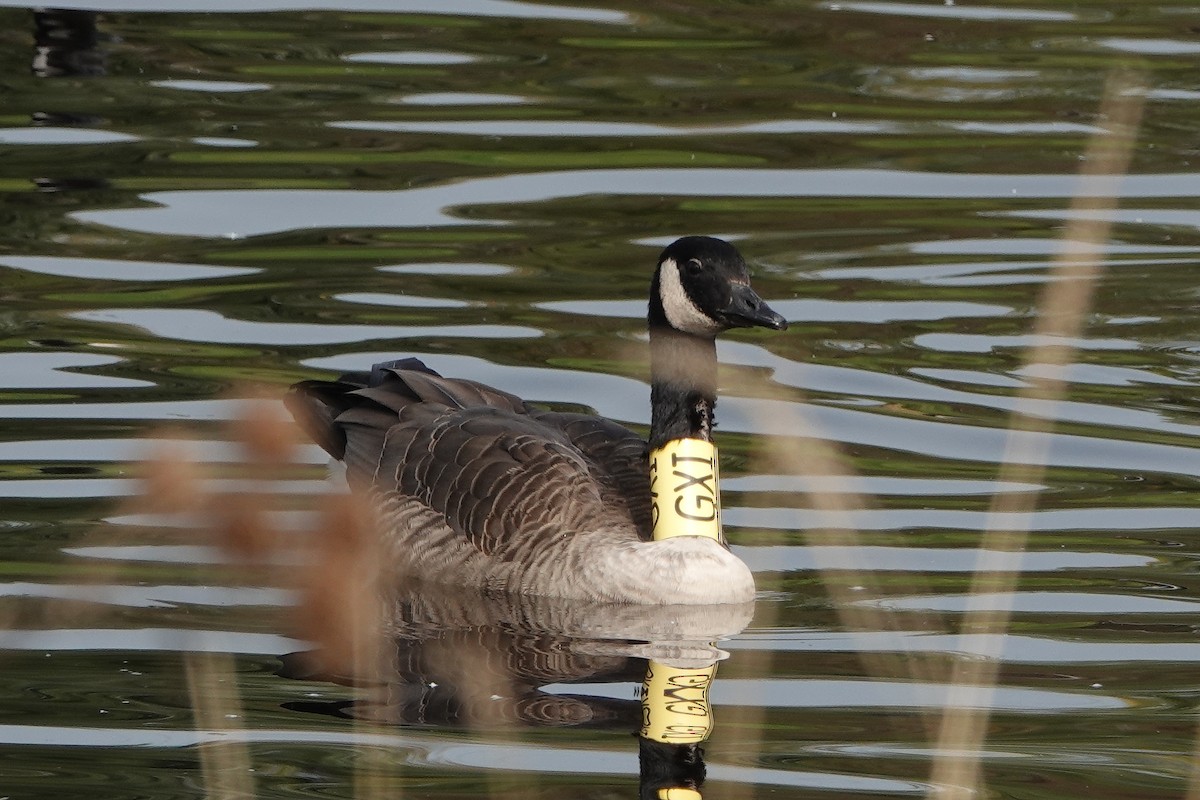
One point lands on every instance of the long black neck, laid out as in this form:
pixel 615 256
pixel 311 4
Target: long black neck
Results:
pixel 683 385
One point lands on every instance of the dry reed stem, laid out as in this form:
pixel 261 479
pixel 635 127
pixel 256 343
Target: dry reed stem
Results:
pixel 759 664
pixel 815 457
pixel 172 483
pixel 338 583
pixel 850 590
pixel 339 606
pixel 267 437
pixel 1062 311
pixel 175 484
pixel 341 612
pixel 169 484
pixel 212 686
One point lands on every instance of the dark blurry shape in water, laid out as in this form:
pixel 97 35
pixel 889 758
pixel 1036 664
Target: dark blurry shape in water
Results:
pixel 665 769
pixel 464 658
pixel 66 43
pixel 65 119
pixel 69 184
pixel 494 661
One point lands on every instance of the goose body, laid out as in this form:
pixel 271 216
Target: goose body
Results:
pixel 480 489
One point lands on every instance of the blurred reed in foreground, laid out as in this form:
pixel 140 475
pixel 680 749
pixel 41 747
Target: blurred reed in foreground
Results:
pixel 332 566
pixel 959 733
pixel 1062 312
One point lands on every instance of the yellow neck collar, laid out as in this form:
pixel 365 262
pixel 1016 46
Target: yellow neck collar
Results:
pixel 683 490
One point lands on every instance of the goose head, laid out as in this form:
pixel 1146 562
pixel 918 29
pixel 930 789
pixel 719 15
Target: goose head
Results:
pixel 702 287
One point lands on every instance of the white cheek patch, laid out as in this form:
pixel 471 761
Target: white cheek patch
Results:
pixel 681 312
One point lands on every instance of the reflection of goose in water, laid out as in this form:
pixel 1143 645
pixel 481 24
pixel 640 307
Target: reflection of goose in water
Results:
pixel 464 658
pixel 66 43
pixel 481 489
pixel 461 659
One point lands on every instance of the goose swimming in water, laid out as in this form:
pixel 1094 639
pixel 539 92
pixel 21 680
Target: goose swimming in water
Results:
pixel 479 489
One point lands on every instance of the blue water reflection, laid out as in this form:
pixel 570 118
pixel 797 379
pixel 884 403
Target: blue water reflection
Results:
pixel 243 213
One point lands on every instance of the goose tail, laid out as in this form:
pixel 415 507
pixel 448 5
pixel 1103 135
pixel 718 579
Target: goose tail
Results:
pixel 379 396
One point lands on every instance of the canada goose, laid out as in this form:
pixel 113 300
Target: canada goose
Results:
pixel 479 489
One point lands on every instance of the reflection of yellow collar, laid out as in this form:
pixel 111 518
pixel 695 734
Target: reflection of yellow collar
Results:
pixel 683 488
pixel 678 793
pixel 675 705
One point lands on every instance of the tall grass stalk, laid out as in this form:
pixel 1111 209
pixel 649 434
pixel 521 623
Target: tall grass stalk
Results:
pixel 850 590
pixel 216 703
pixel 336 577
pixel 1061 313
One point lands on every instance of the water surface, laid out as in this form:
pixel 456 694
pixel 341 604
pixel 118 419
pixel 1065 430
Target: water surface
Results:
pixel 204 194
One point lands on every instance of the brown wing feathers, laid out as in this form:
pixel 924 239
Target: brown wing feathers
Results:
pixel 619 456
pixel 506 477
pixel 493 475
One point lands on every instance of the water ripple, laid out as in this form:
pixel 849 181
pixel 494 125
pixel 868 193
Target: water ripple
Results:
pixel 781 693
pixel 255 212
pixel 960 442
pixel 60 136
pixel 1012 648
pixel 109 269
pixel 863 383
pixel 951 11
pixel 147 596
pixel 198 325
pixel 810 310
pixel 464 8
pixel 410 57
pixel 767 558
pixel 45 371
pixel 229 87
pixel 573 128
pixel 1099 518
pixel 1028 602
pixel 426 751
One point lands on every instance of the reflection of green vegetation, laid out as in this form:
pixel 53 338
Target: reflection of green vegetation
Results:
pixel 257 255
pixel 451 237
pixel 641 43
pixel 253 35
pixel 597 159
pixel 159 184
pixel 412 23
pixel 35 397
pixel 345 70
pixel 178 296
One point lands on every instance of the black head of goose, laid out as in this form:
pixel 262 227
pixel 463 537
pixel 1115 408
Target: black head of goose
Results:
pixel 479 489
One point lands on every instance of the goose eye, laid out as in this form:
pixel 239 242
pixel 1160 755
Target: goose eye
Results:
pixel 693 266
